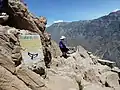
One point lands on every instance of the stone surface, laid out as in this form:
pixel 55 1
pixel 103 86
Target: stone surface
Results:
pixel 14 76
pixel 10 82
pixel 7 63
pixel 55 50
pixel 61 83
pixel 38 67
pixel 16 49
pixel 106 62
pixel 96 87
pixel 112 79
pixel 16 55
pixel 32 80
pixel 80 71
pixel 43 20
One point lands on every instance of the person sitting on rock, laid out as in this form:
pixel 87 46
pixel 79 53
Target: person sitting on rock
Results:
pixel 63 48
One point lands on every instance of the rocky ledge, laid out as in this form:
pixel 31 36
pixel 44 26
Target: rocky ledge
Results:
pixel 80 71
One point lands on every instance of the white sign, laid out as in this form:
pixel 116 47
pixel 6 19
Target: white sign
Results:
pixel 31 48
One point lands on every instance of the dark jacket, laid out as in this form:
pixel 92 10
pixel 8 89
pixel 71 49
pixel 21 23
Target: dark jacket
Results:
pixel 61 44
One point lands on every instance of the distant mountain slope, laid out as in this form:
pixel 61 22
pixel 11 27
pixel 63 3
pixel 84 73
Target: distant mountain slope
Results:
pixel 101 36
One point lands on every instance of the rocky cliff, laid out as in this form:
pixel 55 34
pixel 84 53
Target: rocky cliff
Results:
pixel 100 35
pixel 80 71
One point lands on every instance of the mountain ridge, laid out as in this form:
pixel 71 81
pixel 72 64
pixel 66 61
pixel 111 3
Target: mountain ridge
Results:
pixel 101 36
pixel 80 71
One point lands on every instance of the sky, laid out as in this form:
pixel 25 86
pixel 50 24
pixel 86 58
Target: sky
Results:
pixel 71 10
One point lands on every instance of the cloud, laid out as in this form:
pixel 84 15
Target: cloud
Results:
pixel 58 21
pixel 48 25
pixel 52 22
pixel 116 10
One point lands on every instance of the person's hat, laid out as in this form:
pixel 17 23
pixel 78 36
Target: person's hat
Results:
pixel 62 37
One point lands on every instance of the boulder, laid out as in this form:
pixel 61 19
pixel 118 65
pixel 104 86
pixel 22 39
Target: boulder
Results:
pixel 91 76
pixel 107 62
pixel 7 63
pixel 13 38
pixel 31 79
pixel 42 27
pixel 117 88
pixel 20 16
pixel 16 49
pixel 10 82
pixel 55 50
pixel 61 83
pixel 16 56
pixel 111 79
pixel 96 87
pixel 38 67
pixel 5 51
pixel 43 20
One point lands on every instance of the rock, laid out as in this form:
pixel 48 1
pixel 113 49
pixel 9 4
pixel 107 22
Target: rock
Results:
pixel 38 67
pixel 81 50
pixel 71 50
pixel 9 45
pixel 116 69
pixel 22 19
pixel 117 88
pixel 20 16
pixel 42 27
pixel 79 81
pixel 94 58
pixel 3 37
pixel 111 79
pixel 47 56
pixel 101 69
pixel 16 49
pixel 91 76
pixel 61 83
pixel 43 20
pixel 89 53
pixel 10 82
pixel 106 62
pixel 47 36
pixel 55 50
pixel 32 80
pixel 79 71
pixel 96 87
pixel 5 51
pixel 13 32
pixel 7 63
pixel 16 56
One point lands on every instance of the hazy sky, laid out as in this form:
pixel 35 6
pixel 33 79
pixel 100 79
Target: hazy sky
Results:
pixel 72 10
